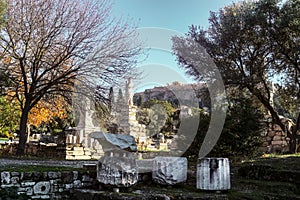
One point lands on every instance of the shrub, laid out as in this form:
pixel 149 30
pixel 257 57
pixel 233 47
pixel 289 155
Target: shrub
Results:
pixel 241 135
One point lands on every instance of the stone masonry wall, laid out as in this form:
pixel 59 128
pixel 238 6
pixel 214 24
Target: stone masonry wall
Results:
pixel 276 140
pixel 46 185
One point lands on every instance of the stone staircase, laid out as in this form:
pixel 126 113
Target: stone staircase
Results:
pixel 82 153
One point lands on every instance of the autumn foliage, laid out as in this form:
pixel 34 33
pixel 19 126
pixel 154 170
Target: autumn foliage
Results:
pixel 47 111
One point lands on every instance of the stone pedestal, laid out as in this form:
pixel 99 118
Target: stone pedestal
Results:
pixel 117 171
pixel 213 174
pixel 169 170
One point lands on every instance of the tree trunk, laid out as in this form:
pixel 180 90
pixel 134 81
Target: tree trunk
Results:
pixel 23 131
pixel 276 120
pixel 293 145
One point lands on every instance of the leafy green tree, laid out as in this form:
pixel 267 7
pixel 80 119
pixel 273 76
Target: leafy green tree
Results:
pixel 158 116
pixel 252 43
pixel 9 117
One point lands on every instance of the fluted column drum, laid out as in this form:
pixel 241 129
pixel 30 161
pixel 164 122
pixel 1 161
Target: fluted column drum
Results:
pixel 213 174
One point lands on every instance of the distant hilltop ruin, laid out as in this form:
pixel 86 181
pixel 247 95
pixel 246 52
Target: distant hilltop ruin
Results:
pixel 177 94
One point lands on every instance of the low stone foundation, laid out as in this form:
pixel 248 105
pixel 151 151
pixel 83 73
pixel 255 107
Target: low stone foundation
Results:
pixel 46 185
pixel 36 149
pixel 82 153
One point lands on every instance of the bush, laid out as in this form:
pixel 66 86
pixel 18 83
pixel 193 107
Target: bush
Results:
pixel 241 135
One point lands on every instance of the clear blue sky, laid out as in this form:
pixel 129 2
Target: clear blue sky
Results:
pixel 171 15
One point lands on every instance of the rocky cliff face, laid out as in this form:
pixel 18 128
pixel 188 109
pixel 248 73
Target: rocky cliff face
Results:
pixel 177 94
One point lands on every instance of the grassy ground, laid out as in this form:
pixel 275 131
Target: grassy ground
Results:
pixel 270 177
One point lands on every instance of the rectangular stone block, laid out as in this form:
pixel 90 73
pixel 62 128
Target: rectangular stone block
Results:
pixel 54 175
pixel 278 142
pixel 27 183
pixel 69 153
pixel 169 170
pixel 82 157
pixel 68 157
pixel 78 153
pixel 96 157
pixel 277 138
pixel 15 173
pixel 78 148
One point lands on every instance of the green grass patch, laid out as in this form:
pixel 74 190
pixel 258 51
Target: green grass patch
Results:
pixel 280 163
pixel 257 190
pixel 280 155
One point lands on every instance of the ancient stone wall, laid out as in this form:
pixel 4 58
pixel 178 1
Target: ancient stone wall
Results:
pixel 46 185
pixel 50 150
pixel 276 140
pixel 83 153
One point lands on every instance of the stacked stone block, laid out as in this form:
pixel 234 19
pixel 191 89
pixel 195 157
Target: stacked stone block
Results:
pixel 275 140
pixel 129 124
pixel 83 153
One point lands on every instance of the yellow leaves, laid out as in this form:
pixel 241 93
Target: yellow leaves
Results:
pixel 45 112
pixel 6 60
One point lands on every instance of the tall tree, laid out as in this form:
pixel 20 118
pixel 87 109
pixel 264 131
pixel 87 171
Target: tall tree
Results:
pixel 53 44
pixel 252 44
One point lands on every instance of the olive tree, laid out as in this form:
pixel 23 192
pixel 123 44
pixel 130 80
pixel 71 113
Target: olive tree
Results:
pixel 253 43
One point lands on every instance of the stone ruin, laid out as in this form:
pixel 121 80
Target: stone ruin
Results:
pixel 79 143
pixel 276 140
pixel 124 113
pixel 80 146
pixel 119 166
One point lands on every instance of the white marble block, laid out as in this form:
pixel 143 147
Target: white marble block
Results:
pixel 213 174
pixel 169 170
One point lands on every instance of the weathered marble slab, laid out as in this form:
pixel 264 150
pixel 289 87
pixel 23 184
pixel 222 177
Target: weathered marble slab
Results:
pixel 169 170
